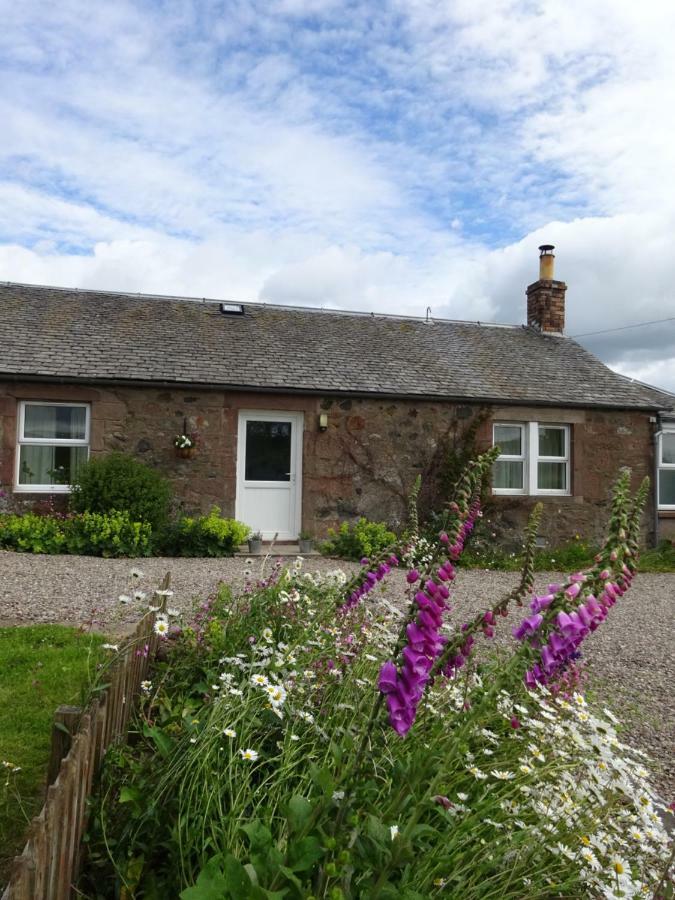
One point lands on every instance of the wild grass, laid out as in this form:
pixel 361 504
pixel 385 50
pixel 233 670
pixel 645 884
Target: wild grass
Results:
pixel 43 666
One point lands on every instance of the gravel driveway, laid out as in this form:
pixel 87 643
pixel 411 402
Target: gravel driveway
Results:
pixel 631 657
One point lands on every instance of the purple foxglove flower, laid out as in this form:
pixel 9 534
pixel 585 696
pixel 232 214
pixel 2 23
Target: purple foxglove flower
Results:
pixel 416 637
pixel 393 560
pixel 584 617
pixel 539 603
pixel 557 644
pixel 527 626
pixel 573 590
pixel 548 660
pixel 412 576
pixel 365 561
pixel 430 587
pixel 417 662
pixel 388 680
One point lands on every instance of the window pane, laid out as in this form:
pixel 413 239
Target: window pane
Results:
pixel 551 476
pixel 508 475
pixel 268 451
pixel 667 487
pixel 551 441
pixel 509 439
pixel 62 422
pixel 50 465
pixel 668 448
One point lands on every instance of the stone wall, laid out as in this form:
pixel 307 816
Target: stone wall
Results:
pixel 363 464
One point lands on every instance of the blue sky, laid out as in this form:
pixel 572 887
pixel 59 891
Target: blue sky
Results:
pixel 386 155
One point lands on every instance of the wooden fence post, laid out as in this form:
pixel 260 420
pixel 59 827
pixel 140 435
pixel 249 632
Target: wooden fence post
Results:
pixel 66 722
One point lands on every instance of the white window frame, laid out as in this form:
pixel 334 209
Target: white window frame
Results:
pixel 49 442
pixel 506 457
pixel 531 458
pixel 661 466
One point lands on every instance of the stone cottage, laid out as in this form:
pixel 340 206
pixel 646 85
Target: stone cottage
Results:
pixel 301 418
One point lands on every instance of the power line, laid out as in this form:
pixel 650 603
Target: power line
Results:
pixel 624 327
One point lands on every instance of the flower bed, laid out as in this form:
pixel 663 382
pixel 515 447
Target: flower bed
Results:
pixel 308 738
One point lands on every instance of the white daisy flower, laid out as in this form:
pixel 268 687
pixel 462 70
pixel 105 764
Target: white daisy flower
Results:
pixel 146 686
pixel 502 775
pixel 393 831
pixel 229 732
pixel 163 593
pixel 338 795
pixel 124 598
pixel 276 693
pixel 248 754
pixel 161 627
pixel 260 680
pixel 113 647
pixel 139 596
pixel 136 573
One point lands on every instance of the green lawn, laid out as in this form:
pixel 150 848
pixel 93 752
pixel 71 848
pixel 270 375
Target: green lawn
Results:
pixel 42 666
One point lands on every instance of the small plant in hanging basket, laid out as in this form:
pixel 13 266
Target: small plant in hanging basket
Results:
pixel 185 445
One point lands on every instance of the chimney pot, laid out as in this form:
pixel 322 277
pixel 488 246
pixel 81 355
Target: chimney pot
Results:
pixel 546 297
pixel 546 262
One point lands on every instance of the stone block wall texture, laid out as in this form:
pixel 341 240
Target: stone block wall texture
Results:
pixel 364 464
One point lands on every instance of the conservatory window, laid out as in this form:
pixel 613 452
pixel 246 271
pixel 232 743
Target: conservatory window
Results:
pixel 53 443
pixel 667 469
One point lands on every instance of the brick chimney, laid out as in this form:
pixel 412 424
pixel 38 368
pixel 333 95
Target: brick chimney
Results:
pixel 546 297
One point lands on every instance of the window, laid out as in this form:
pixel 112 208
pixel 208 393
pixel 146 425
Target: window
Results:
pixel 534 458
pixel 667 469
pixel 53 444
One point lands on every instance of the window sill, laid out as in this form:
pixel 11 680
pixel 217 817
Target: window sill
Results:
pixel 42 489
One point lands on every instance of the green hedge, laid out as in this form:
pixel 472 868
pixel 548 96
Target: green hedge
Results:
pixel 89 534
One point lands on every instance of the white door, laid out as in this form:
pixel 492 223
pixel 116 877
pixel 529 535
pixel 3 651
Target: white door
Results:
pixel 269 473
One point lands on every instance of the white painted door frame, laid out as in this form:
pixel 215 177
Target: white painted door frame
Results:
pixel 249 502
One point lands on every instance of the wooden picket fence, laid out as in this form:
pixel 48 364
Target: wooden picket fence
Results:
pixel 50 862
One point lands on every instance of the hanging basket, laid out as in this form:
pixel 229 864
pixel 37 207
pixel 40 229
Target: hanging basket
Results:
pixel 186 452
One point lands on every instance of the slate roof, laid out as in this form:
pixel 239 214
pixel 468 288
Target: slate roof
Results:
pixel 89 336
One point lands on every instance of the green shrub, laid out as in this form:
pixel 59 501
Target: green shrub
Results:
pixel 209 535
pixel 119 482
pixel 364 538
pixel 115 534
pixel 89 534
pixel 31 533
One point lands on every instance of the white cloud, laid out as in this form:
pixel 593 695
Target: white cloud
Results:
pixel 386 157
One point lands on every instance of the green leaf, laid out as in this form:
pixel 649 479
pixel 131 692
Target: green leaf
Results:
pixel 130 795
pixel 299 812
pixel 211 883
pixel 322 779
pixel 292 877
pixel 161 740
pixel 259 836
pixel 378 832
pixel 303 854
pixel 238 881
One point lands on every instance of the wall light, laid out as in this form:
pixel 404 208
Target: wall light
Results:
pixel 323 422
